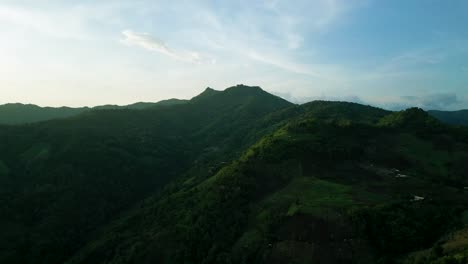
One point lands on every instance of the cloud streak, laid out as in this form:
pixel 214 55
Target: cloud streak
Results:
pixel 436 101
pixel 433 101
pixel 148 42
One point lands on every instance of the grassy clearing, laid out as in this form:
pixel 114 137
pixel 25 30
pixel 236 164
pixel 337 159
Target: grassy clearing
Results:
pixel 310 195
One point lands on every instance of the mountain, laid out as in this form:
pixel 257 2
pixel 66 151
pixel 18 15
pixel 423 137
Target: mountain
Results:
pixel 235 176
pixel 451 117
pixel 13 114
pixel 62 180
pixel 141 105
pixel 21 113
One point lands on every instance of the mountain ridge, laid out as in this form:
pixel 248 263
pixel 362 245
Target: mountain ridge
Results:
pixel 17 113
pixel 459 117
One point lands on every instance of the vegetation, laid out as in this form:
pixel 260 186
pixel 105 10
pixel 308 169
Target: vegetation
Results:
pixel 14 114
pixel 238 176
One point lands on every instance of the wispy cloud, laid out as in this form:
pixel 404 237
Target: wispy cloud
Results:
pixel 276 28
pixel 321 13
pixel 151 43
pixel 436 101
pixel 406 65
pixel 421 57
pixel 433 101
pixel 301 100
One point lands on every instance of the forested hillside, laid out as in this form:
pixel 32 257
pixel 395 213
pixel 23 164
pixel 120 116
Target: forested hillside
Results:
pixel 63 179
pixel 317 190
pixel 235 176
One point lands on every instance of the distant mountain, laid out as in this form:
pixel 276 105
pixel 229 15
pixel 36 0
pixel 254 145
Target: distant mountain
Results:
pixel 235 176
pixel 28 113
pixel 141 105
pixel 451 117
pixel 14 114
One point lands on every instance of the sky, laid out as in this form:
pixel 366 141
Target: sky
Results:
pixel 388 53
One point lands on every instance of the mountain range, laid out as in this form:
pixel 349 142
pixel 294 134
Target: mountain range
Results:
pixel 233 176
pixel 14 114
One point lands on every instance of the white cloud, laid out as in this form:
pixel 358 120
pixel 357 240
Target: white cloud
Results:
pixel 428 101
pixel 151 43
pixel 440 101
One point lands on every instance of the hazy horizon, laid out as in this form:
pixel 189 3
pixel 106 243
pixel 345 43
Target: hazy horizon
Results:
pixel 390 54
pixel 306 100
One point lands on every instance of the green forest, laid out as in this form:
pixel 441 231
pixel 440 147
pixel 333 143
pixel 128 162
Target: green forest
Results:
pixel 233 176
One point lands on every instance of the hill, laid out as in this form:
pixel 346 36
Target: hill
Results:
pixel 234 176
pixel 21 113
pixel 451 117
pixel 14 114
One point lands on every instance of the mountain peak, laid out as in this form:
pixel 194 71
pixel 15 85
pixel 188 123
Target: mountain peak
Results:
pixel 240 96
pixel 208 92
pixel 245 88
pixel 238 90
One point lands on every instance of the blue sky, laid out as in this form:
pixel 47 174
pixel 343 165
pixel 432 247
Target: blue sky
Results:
pixel 389 53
